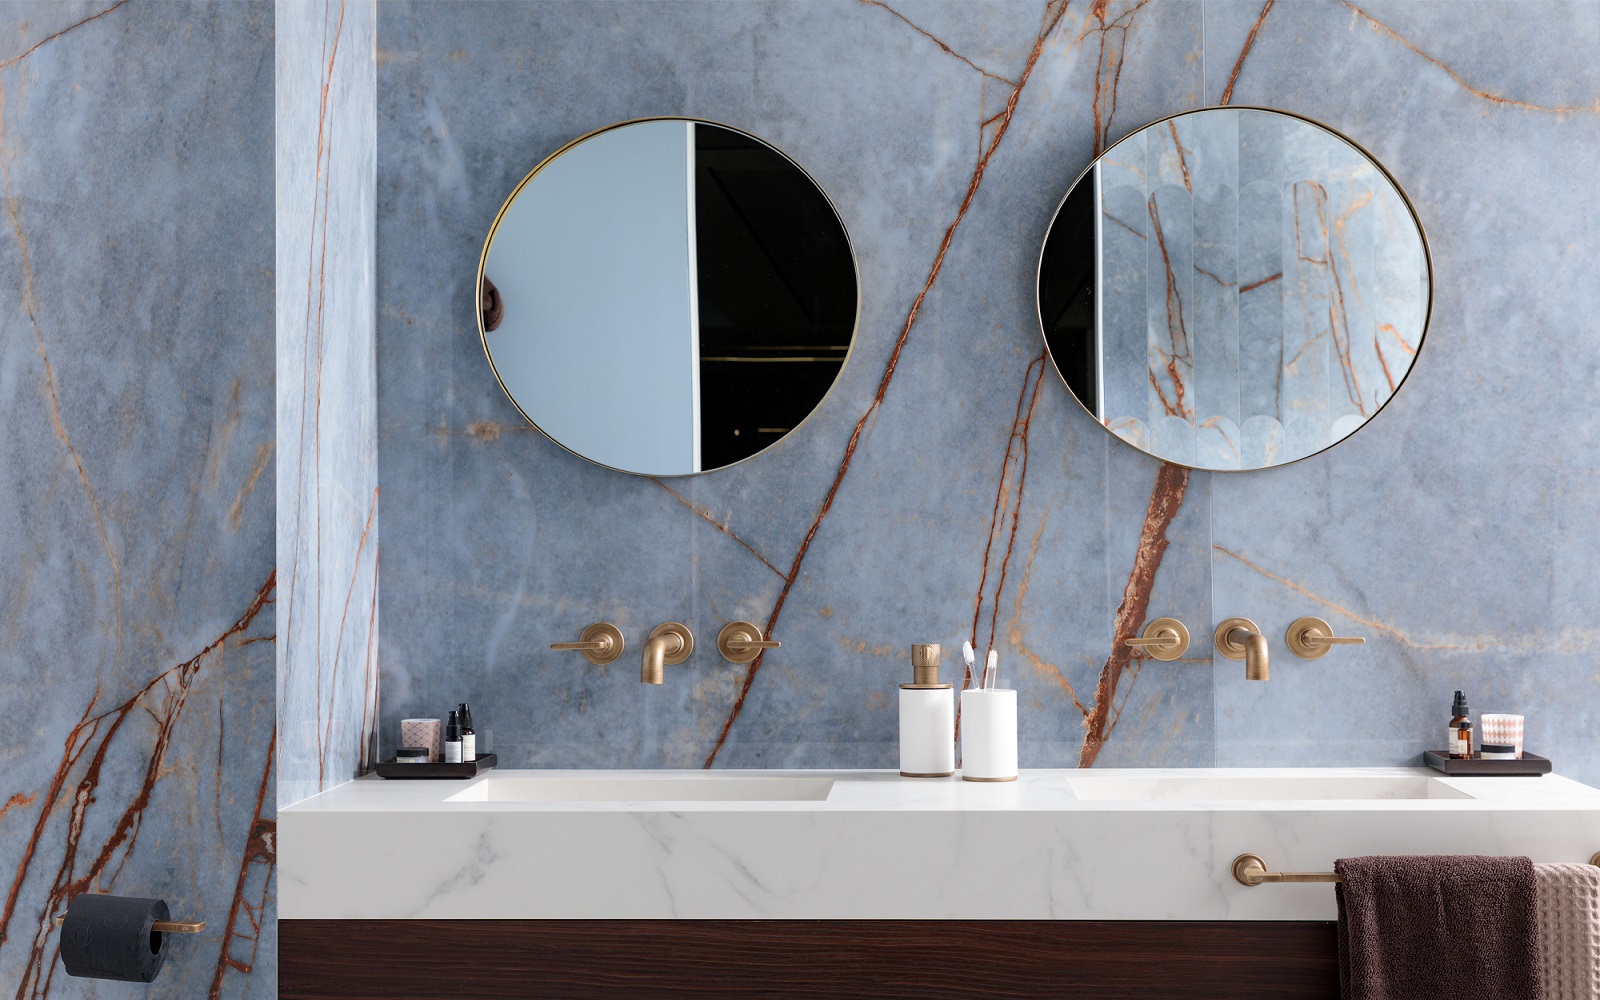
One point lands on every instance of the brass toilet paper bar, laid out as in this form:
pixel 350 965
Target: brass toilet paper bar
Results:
pixel 164 926
pixel 1248 869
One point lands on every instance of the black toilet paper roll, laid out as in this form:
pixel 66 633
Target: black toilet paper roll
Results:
pixel 109 937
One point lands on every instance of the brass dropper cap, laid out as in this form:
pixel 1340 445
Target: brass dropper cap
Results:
pixel 925 666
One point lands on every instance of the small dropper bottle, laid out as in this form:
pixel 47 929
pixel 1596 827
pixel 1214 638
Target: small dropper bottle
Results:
pixel 452 739
pixel 1460 732
pixel 469 736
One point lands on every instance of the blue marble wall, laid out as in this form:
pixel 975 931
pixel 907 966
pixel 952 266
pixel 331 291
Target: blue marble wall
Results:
pixel 136 483
pixel 327 498
pixel 949 487
pixel 1453 531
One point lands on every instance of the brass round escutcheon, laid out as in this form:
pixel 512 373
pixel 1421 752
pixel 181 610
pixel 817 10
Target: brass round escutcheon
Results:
pixel 741 642
pixel 1227 647
pixel 685 647
pixel 1248 869
pixel 1163 639
pixel 1311 637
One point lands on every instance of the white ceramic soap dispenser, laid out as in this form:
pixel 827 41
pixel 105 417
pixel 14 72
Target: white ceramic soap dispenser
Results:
pixel 927 719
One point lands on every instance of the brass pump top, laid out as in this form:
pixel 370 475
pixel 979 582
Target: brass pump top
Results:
pixel 925 666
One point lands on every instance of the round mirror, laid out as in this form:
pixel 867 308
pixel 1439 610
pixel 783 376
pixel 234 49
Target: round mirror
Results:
pixel 1234 288
pixel 667 296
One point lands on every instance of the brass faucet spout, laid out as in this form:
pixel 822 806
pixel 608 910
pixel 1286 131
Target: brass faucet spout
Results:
pixel 655 657
pixel 669 642
pixel 1255 653
pixel 1239 639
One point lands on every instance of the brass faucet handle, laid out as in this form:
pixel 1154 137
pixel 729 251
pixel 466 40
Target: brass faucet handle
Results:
pixel 1164 639
pixel 600 643
pixel 741 642
pixel 1310 638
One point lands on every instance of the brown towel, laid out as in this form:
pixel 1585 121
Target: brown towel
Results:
pixel 1438 927
pixel 1569 930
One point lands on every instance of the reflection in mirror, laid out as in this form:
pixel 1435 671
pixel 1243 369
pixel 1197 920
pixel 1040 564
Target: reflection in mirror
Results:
pixel 1234 288
pixel 675 296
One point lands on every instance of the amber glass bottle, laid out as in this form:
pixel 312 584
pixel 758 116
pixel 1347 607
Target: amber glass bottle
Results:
pixel 1458 741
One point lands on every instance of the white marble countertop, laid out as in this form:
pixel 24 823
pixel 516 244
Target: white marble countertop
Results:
pixel 1059 844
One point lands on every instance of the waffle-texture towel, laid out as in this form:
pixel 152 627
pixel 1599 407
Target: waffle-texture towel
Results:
pixel 1417 928
pixel 1569 930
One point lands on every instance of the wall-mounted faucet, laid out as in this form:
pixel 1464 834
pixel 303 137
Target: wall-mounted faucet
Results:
pixel 670 643
pixel 1239 639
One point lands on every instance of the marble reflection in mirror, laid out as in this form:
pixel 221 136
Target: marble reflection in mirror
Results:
pixel 1234 288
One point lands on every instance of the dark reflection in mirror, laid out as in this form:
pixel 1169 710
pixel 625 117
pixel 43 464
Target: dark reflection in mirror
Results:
pixel 1234 288
pixel 777 294
pixel 1067 299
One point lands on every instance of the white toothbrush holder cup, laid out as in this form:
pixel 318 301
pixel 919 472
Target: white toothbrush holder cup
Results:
pixel 989 735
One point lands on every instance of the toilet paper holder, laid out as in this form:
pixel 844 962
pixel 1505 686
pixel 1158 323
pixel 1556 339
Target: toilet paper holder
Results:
pixel 163 926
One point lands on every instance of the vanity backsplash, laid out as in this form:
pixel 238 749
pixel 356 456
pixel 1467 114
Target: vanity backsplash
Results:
pixel 949 487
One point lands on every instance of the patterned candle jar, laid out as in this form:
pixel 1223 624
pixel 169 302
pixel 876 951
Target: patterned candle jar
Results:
pixel 1503 729
pixel 422 733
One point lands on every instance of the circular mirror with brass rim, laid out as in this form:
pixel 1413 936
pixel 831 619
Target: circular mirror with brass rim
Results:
pixel 667 296
pixel 1234 288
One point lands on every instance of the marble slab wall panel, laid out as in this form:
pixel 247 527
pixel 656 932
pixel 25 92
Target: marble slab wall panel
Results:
pixel 949 488
pixel 136 483
pixel 1454 532
pixel 327 452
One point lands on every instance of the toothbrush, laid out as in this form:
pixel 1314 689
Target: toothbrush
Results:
pixel 991 671
pixel 972 662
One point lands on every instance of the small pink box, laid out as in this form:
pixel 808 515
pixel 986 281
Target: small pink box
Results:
pixel 422 733
pixel 1503 729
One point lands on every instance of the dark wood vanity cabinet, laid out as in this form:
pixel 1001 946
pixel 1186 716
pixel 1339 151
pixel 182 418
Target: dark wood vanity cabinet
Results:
pixel 832 959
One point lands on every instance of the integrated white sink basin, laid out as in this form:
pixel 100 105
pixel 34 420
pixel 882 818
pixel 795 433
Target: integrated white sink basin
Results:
pixel 1303 787
pixel 527 786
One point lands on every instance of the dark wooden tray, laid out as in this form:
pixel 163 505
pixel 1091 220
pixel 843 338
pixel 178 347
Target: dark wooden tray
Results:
pixel 1531 765
pixel 471 769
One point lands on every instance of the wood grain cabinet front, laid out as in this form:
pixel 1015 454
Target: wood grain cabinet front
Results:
pixel 833 959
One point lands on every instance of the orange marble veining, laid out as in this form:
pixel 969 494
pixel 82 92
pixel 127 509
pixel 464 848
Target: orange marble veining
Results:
pixel 256 865
pixel 1177 357
pixel 1007 507
pixel 1172 483
pixel 1108 58
pixel 1479 92
pixel 163 698
pixel 1052 16
pixel 721 526
pixel 1249 43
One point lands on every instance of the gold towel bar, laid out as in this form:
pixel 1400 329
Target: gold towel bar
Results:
pixel 1251 870
pixel 165 926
